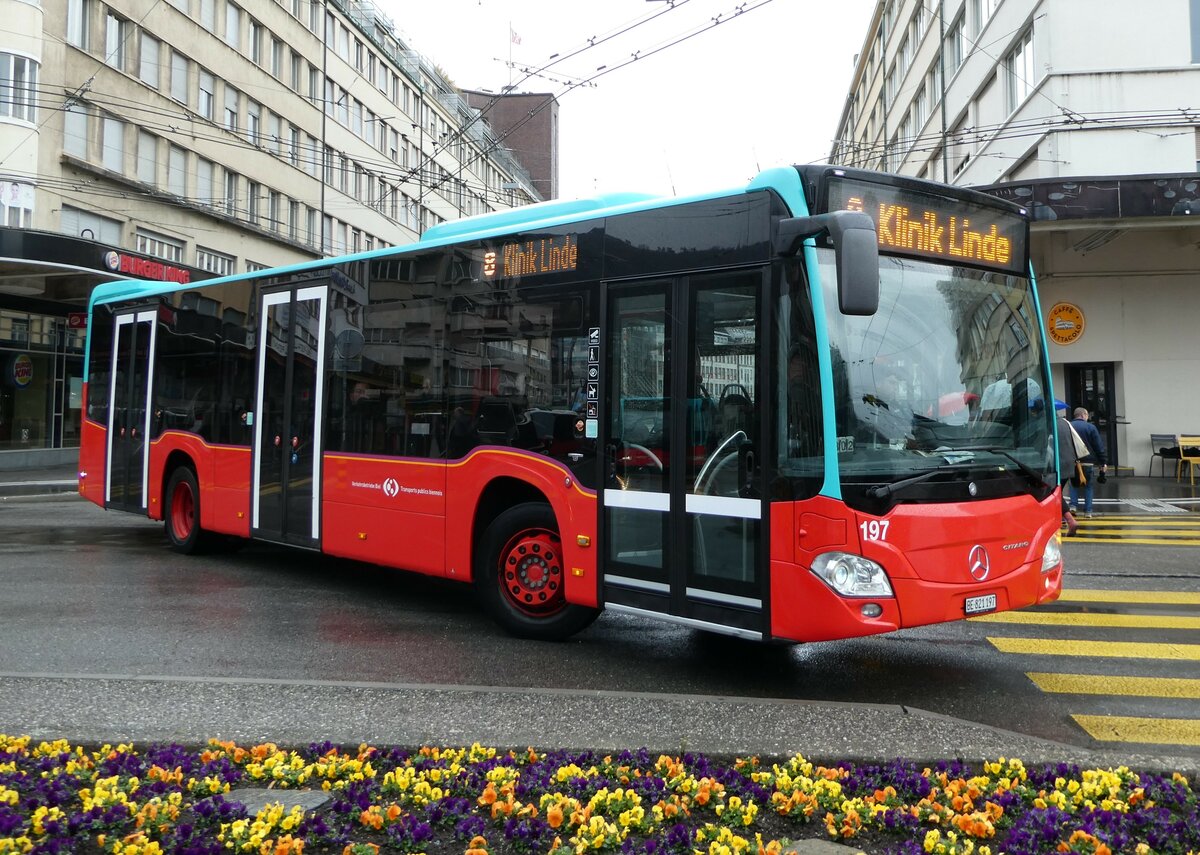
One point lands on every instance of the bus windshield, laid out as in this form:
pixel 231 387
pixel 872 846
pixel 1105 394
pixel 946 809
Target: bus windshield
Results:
pixel 945 381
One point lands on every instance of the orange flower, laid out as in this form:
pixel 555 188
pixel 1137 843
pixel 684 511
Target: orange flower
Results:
pixel 393 812
pixel 489 794
pixel 554 816
pixel 477 846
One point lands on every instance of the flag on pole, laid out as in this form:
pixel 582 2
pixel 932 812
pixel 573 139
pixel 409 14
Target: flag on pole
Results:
pixel 516 39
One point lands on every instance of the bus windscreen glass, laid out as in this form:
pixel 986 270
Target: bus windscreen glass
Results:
pixel 924 225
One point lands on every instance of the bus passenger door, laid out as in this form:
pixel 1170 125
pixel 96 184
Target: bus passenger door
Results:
pixel 131 377
pixel 684 519
pixel 289 416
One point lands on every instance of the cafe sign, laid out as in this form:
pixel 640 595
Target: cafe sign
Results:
pixel 1065 323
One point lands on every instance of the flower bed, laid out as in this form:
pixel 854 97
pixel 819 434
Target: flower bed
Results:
pixel 59 798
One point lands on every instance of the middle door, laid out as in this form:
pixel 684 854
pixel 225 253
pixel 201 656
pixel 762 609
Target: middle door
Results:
pixel 683 522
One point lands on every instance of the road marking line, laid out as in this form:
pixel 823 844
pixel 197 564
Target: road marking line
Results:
pixel 1108 595
pixel 1107 649
pixel 1092 619
pixel 1102 684
pixel 1135 541
pixel 1162 731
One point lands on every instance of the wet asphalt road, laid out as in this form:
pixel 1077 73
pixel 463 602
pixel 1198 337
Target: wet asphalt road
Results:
pixel 106 634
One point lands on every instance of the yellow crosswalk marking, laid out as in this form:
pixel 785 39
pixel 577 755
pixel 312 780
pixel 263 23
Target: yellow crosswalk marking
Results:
pixel 1031 618
pixel 1136 541
pixel 1094 595
pixel 1102 684
pixel 1111 649
pixel 1162 731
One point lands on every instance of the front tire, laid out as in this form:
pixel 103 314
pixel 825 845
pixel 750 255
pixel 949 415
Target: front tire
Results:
pixel 520 576
pixel 182 513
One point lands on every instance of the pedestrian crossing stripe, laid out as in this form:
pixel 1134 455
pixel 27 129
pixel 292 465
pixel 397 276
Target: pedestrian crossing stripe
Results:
pixel 1097 649
pixel 1158 731
pixel 1102 684
pixel 1192 522
pixel 1139 597
pixel 1030 618
pixel 1082 537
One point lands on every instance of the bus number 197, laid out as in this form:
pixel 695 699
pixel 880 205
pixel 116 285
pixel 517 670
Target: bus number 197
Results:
pixel 874 529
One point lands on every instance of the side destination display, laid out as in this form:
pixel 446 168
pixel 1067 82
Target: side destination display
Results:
pixel 925 225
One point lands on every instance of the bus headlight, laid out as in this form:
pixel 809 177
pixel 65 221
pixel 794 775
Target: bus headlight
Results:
pixel 1052 557
pixel 852 575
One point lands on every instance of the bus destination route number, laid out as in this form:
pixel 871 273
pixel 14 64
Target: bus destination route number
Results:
pixel 532 257
pixel 910 222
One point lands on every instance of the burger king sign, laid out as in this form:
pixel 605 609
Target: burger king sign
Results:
pixel 22 370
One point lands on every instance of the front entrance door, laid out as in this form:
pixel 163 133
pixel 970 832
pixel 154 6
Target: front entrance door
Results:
pixel 1091 386
pixel 132 378
pixel 683 514
pixel 289 415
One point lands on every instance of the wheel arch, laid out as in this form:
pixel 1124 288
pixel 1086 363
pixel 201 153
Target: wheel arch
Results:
pixel 176 458
pixel 499 495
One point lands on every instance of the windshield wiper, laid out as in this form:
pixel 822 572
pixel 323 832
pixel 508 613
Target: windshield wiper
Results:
pixel 882 491
pixel 1027 470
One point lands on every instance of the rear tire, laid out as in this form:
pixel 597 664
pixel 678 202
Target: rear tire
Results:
pixel 520 576
pixel 181 516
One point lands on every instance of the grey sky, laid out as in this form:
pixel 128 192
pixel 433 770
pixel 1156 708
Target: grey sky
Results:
pixel 764 87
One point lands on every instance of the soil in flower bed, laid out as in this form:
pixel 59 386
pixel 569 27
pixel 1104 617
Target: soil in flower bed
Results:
pixel 222 798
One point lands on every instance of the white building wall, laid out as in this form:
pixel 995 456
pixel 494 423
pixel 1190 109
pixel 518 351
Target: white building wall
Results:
pixel 1112 93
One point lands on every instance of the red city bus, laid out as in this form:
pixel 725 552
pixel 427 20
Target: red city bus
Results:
pixel 810 408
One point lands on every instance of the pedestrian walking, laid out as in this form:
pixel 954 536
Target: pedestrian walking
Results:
pixel 1066 465
pixel 1094 459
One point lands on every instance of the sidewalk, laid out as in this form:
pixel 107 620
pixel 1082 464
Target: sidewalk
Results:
pixel 50 480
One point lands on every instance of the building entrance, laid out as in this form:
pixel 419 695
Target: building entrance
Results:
pixel 1092 386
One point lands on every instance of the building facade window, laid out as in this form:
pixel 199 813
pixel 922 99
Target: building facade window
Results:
pixel 253 212
pixel 80 223
pixel 233 26
pixel 955 38
pixel 18 87
pixel 112 144
pixel 115 31
pixel 75 130
pixel 79 14
pixel 231 193
pixel 255 36
pixel 982 12
pixel 207 88
pixel 204 181
pixel 208 15
pixel 159 246
pixel 232 97
pixel 214 262
pixel 179 77
pixel 177 171
pixel 147 158
pixel 1019 70
pixel 254 122
pixel 148 60
pixel 16 204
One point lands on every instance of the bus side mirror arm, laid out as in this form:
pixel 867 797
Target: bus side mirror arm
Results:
pixel 856 252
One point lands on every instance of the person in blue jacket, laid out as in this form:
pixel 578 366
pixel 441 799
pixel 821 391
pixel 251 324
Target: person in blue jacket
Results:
pixel 1095 457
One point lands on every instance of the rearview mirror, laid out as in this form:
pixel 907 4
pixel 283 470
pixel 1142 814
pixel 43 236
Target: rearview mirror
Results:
pixel 855 250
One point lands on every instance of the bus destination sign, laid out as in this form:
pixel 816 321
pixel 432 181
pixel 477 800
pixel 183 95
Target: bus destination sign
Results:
pixel 532 257
pixel 941 228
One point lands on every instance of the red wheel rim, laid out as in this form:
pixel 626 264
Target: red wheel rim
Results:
pixel 531 575
pixel 183 510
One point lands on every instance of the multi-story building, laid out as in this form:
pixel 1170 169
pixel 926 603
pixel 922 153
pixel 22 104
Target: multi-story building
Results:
pixel 183 139
pixel 1089 114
